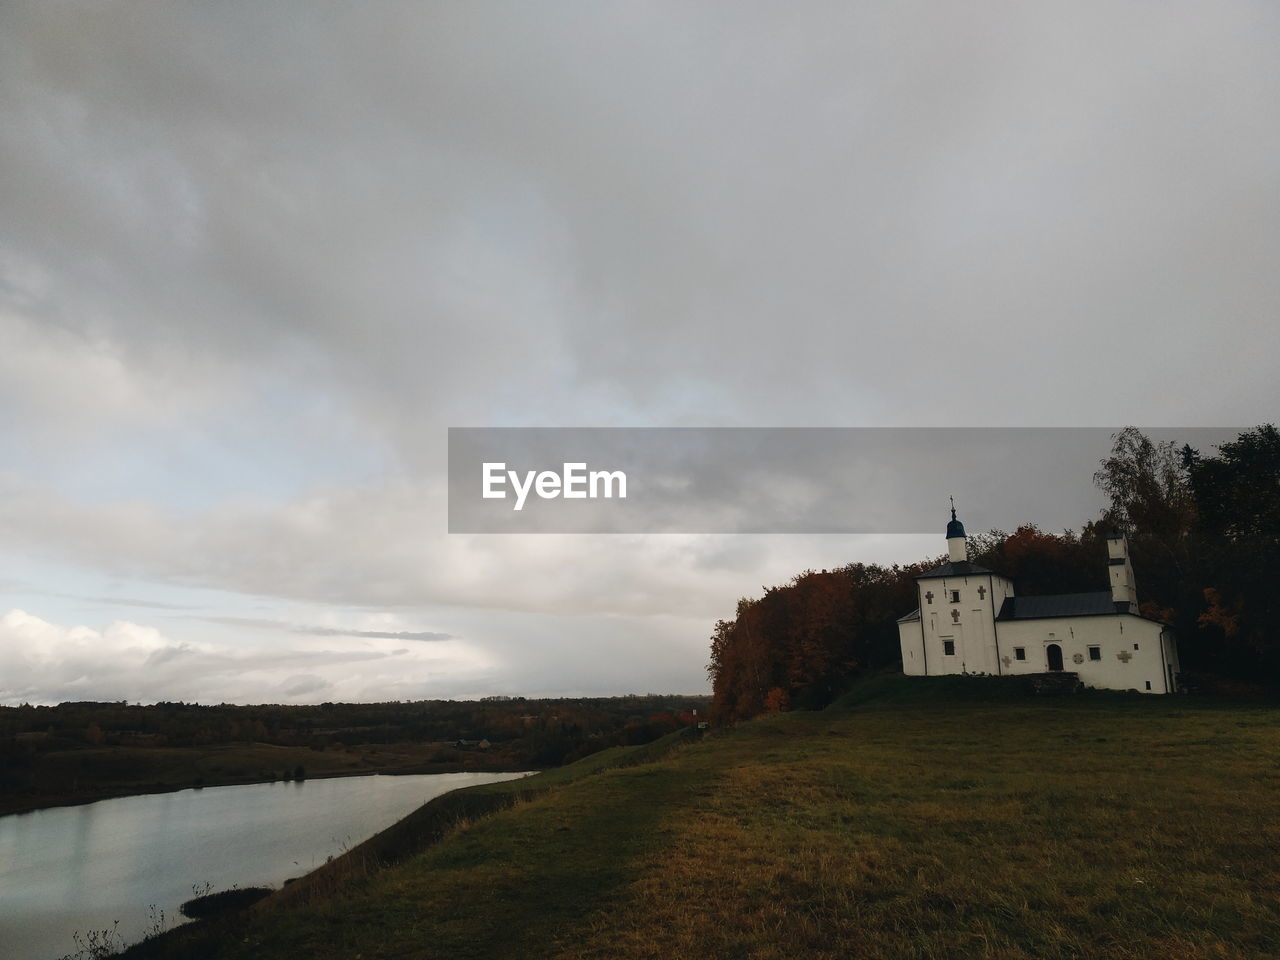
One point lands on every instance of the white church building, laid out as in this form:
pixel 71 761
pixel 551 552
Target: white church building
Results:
pixel 970 621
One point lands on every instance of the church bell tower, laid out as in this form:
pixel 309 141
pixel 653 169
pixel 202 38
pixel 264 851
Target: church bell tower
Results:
pixel 1124 591
pixel 957 543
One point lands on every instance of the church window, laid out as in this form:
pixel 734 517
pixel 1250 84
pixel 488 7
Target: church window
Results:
pixel 955 596
pixel 982 593
pixel 1148 684
pixel 949 648
pixel 929 597
pixel 1095 653
pixel 1019 653
pixel 1135 646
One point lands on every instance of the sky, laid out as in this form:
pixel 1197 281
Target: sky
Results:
pixel 257 259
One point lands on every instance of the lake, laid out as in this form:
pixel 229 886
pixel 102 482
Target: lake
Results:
pixel 70 869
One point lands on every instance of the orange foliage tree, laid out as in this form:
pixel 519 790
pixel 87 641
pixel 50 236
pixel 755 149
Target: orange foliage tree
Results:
pixel 799 644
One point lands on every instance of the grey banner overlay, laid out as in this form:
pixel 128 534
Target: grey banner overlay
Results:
pixel 783 480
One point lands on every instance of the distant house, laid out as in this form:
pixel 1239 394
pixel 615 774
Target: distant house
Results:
pixel 970 621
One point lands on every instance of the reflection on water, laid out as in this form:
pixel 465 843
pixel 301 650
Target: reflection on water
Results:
pixel 81 868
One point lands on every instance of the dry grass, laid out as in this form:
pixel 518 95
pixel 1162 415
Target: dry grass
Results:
pixel 972 832
pixel 1090 828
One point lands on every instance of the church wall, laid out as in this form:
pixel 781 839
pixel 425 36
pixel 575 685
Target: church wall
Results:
pixel 1002 587
pixel 943 637
pixel 1172 665
pixel 936 636
pixel 968 625
pixel 1119 665
pixel 910 640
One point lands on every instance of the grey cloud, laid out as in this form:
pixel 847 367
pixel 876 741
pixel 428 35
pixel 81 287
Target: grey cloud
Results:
pixel 255 259
pixel 47 662
pixel 374 634
pixel 374 548
pixel 167 654
pixel 135 602
pixel 256 622
pixel 303 684
pixel 682 206
pixel 317 631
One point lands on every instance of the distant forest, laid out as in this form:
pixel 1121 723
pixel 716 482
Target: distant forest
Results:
pixel 1204 535
pixel 81 751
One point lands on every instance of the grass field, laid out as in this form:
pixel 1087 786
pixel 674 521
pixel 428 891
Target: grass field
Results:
pixel 913 819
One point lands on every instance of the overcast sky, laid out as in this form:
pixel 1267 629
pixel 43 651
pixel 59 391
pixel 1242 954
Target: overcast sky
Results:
pixel 255 259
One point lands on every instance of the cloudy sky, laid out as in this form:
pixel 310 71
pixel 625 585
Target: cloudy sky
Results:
pixel 256 259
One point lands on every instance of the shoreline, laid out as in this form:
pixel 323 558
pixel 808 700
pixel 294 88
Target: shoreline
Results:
pixel 57 801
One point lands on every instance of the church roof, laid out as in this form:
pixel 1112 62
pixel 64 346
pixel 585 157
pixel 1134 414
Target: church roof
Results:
pixel 952 569
pixel 1058 605
pixel 911 617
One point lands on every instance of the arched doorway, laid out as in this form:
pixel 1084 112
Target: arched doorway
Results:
pixel 1054 653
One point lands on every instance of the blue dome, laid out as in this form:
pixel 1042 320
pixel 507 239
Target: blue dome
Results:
pixel 955 528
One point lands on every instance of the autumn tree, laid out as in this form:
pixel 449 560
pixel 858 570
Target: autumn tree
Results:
pixel 742 666
pixel 1149 490
pixel 1237 495
pixel 1151 500
pixel 1043 563
pixel 799 644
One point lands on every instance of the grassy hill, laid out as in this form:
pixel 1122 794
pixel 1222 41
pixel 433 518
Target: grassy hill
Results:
pixel 911 819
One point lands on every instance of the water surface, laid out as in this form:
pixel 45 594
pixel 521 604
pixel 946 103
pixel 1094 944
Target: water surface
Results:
pixel 71 869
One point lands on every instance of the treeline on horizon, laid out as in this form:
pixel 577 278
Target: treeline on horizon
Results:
pixel 1204 536
pixel 39 744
